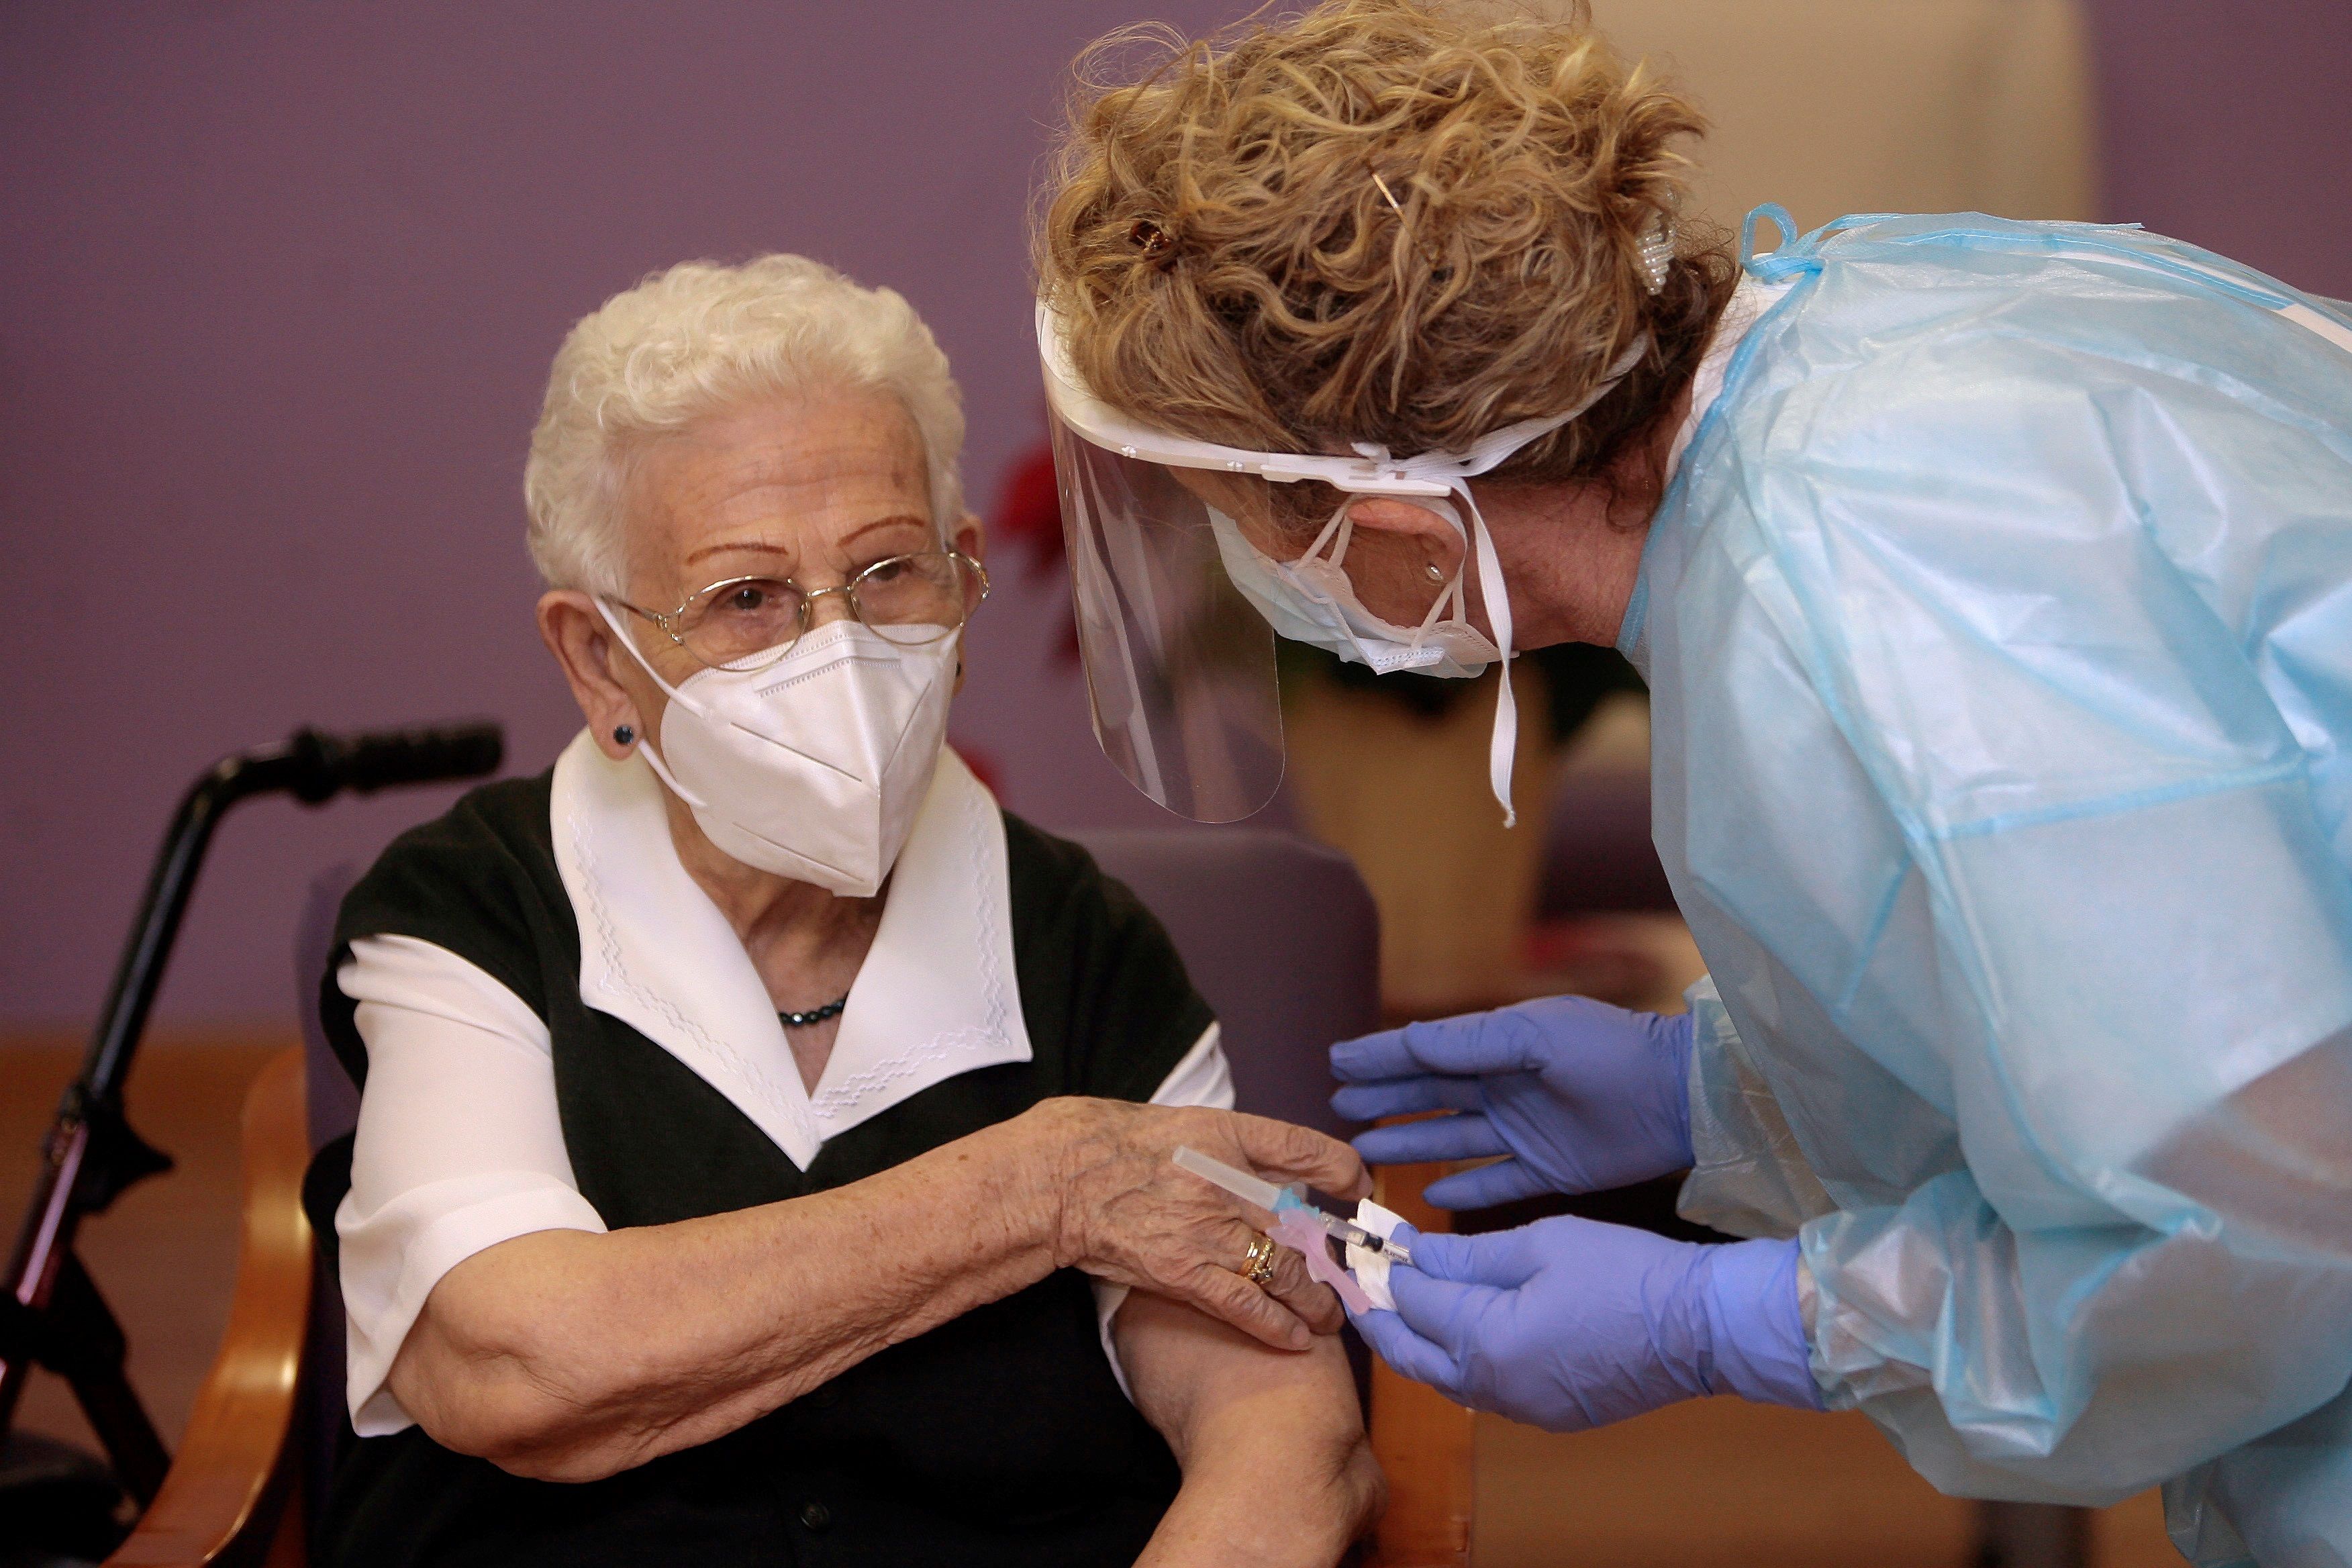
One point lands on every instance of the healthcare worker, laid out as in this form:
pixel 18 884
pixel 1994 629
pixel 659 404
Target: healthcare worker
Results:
pixel 1993 585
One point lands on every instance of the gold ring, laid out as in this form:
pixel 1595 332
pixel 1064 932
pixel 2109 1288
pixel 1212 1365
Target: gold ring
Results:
pixel 1260 1259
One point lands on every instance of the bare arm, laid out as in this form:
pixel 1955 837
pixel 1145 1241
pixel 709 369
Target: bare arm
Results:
pixel 1277 1470
pixel 569 1355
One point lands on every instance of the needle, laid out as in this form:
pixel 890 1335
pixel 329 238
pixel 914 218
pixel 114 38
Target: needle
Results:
pixel 1279 1200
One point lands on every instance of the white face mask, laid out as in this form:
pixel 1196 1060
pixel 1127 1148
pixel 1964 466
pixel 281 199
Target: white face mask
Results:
pixel 813 767
pixel 1310 600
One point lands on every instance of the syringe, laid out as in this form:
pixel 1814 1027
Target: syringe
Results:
pixel 1283 1200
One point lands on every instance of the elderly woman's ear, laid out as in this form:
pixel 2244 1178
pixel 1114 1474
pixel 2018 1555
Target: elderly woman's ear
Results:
pixel 971 537
pixel 604 681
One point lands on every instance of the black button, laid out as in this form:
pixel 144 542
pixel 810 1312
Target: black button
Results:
pixel 815 1517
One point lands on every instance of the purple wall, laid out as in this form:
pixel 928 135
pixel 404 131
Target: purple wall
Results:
pixel 281 282
pixel 2229 126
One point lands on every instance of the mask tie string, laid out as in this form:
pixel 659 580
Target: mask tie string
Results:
pixel 1456 473
pixel 1502 748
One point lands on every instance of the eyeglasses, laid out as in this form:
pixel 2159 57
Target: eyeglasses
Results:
pixel 749 622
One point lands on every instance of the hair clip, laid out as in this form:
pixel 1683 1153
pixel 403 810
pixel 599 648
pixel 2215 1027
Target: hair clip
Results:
pixel 1419 242
pixel 1657 254
pixel 1153 243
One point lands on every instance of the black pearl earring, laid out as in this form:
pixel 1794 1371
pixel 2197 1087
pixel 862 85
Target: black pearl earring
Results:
pixel 622 734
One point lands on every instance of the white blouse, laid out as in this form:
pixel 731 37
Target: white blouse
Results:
pixel 460 1146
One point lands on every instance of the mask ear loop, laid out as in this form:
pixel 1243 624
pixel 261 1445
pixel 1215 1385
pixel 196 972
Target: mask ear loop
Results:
pixel 1451 598
pixel 622 632
pixel 1338 525
pixel 1486 453
pixel 1504 743
pixel 1455 470
pixel 1341 532
pixel 651 752
pixel 1454 599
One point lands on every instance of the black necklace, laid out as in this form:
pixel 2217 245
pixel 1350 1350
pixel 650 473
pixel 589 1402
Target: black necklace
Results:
pixel 814 1015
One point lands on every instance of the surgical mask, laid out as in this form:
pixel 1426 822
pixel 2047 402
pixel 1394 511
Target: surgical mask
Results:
pixel 1310 600
pixel 811 767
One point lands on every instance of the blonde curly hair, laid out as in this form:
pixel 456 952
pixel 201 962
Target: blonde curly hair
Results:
pixel 1381 220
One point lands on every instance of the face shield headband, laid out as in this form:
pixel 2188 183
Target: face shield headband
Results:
pixel 1141 536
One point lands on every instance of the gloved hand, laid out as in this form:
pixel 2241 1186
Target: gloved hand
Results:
pixel 1568 1323
pixel 1580 1095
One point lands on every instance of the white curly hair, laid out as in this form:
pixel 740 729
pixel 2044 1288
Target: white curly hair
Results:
pixel 700 339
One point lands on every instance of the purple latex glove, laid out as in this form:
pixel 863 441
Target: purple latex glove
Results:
pixel 1568 1323
pixel 1582 1097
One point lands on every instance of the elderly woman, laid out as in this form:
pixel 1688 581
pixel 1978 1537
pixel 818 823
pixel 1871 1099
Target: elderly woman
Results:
pixel 749 1103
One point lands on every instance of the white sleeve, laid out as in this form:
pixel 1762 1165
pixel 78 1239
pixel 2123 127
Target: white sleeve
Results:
pixel 459 1146
pixel 1203 1077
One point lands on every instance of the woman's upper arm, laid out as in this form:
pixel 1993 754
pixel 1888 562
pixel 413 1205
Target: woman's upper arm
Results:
pixel 1202 1078
pixel 1196 1379
pixel 459 1146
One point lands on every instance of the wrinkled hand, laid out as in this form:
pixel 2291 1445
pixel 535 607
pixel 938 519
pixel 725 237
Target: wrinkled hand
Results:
pixel 1582 1097
pixel 1129 1214
pixel 1568 1323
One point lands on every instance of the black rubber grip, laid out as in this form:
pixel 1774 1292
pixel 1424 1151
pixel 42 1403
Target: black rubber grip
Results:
pixel 384 758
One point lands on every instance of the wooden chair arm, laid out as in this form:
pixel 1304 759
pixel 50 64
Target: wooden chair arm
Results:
pixel 1422 1440
pixel 222 1499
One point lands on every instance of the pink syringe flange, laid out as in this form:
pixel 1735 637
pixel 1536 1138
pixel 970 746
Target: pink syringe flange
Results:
pixel 1295 1230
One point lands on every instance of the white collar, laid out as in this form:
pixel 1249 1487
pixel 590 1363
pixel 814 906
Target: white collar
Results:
pixel 937 996
pixel 1749 300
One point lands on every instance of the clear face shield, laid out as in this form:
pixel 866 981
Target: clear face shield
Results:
pixel 1174 549
pixel 1180 669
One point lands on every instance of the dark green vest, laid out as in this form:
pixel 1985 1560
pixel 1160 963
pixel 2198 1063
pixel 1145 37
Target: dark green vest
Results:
pixel 1001 1438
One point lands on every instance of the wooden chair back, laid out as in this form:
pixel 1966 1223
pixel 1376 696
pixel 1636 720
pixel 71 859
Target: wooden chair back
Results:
pixel 233 1495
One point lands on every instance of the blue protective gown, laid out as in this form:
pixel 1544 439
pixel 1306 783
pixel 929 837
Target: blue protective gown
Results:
pixel 1998 623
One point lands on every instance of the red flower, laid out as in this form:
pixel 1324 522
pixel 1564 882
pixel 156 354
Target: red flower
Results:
pixel 1028 513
